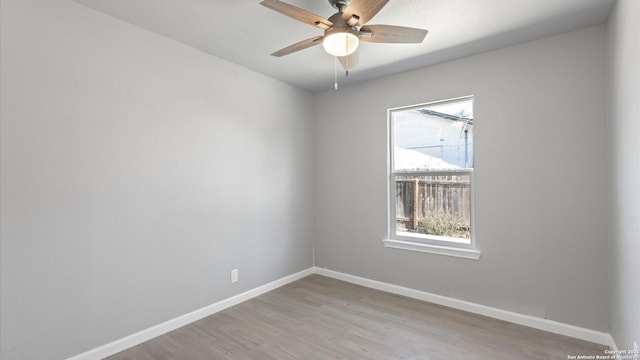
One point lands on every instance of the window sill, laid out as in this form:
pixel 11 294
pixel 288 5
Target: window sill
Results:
pixel 433 249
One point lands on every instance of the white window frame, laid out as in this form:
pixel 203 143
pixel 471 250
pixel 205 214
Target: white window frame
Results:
pixel 421 242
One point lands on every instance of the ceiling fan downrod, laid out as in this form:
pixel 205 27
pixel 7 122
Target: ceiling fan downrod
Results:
pixel 340 4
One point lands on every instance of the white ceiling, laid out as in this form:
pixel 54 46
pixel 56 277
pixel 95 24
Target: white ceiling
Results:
pixel 245 33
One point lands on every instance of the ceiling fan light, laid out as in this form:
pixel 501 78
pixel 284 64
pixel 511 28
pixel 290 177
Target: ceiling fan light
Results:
pixel 340 43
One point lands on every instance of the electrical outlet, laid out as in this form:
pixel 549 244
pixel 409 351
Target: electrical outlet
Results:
pixel 234 275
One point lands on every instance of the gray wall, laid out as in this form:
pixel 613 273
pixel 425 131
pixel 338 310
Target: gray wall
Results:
pixel 624 70
pixel 136 173
pixel 541 199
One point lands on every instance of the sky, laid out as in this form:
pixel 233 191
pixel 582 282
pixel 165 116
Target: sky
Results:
pixel 434 136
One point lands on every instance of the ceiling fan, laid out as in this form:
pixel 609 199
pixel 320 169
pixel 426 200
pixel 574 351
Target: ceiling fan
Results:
pixel 344 30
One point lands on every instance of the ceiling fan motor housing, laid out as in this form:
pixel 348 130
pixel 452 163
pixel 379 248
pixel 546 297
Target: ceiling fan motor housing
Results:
pixel 338 22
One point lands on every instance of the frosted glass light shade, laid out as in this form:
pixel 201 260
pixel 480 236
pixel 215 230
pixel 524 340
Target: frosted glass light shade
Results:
pixel 340 43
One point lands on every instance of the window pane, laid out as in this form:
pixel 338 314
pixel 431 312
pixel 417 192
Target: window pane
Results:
pixel 437 205
pixel 433 137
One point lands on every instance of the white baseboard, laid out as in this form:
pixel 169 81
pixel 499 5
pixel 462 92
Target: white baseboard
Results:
pixel 612 343
pixel 526 320
pixel 163 328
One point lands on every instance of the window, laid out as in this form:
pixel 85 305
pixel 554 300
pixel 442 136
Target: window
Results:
pixel 431 178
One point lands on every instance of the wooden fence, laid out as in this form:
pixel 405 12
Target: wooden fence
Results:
pixel 417 197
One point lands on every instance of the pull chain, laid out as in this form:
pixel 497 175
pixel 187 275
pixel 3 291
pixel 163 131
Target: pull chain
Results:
pixel 335 73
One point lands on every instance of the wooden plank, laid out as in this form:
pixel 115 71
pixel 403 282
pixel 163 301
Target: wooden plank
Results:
pixel 322 318
pixel 416 203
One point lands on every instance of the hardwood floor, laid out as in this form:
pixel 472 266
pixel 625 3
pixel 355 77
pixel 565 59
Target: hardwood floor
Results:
pixel 322 318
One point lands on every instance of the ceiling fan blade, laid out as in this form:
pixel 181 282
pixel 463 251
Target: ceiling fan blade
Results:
pixel 363 10
pixel 391 34
pixel 350 61
pixel 298 46
pixel 297 13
